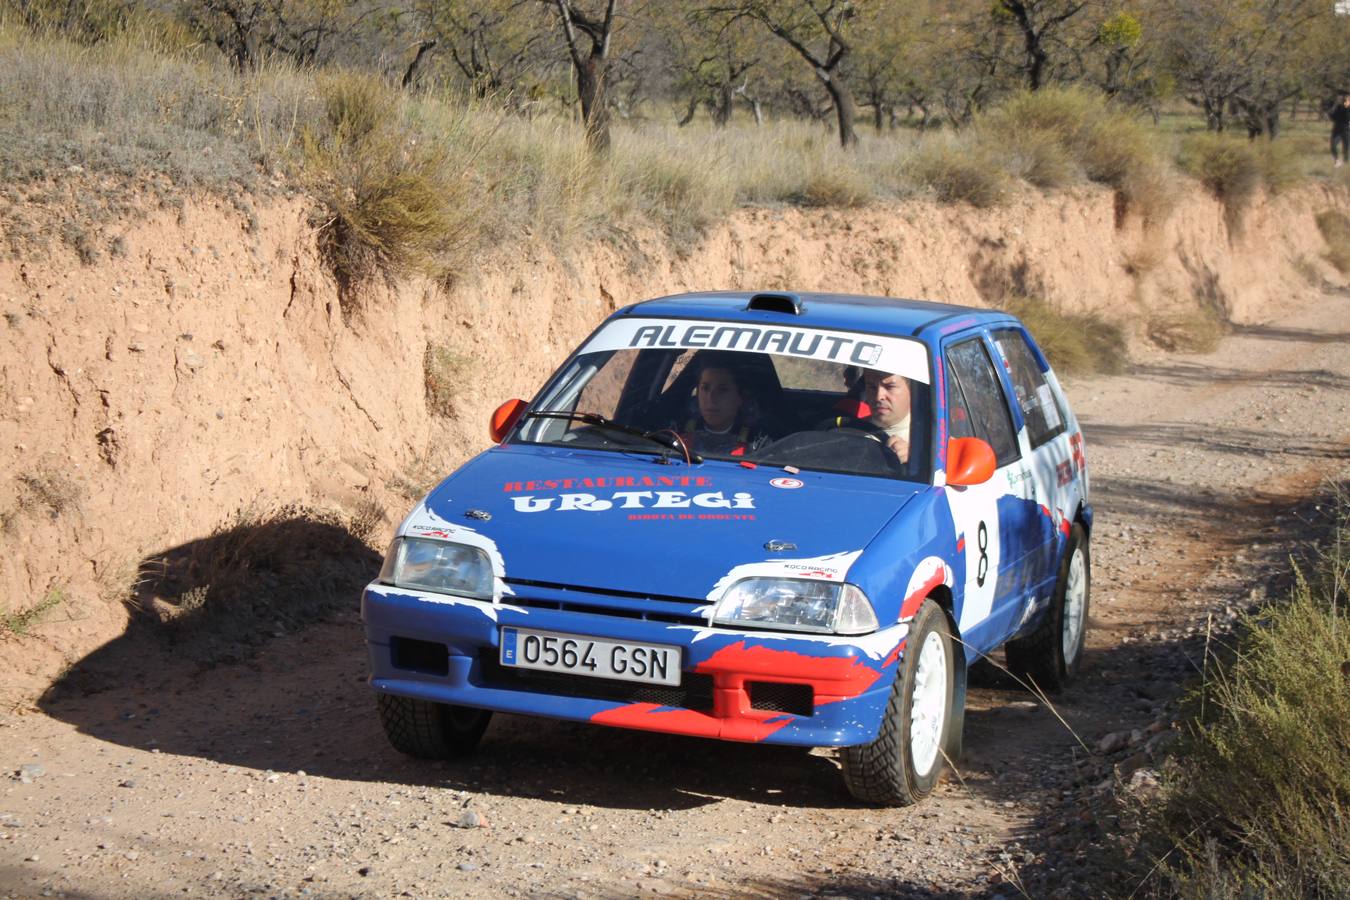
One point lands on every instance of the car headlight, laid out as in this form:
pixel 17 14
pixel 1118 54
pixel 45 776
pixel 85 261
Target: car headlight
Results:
pixel 794 604
pixel 438 566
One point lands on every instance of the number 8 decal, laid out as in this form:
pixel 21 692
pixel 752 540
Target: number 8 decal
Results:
pixel 982 541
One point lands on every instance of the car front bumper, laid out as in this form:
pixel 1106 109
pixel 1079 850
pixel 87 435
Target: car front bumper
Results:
pixel 775 687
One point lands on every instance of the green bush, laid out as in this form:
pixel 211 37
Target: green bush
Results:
pixel 1073 343
pixel 1257 801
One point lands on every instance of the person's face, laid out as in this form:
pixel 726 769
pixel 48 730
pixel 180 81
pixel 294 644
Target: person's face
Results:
pixel 888 395
pixel 719 400
pixel 1345 101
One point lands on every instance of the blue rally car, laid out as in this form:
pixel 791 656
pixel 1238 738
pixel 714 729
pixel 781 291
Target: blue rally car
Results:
pixel 789 518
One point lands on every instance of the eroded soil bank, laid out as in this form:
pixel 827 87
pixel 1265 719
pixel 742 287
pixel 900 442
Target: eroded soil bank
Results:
pixel 213 368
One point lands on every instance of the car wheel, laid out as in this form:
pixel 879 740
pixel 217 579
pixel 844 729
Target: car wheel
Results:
pixel 1050 655
pixel 431 730
pixel 903 764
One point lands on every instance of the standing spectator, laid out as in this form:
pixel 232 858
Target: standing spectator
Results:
pixel 1340 130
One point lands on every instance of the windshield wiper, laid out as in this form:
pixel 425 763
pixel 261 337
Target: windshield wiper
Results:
pixel 664 436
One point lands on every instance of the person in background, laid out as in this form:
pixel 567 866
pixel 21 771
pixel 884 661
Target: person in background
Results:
pixel 1340 130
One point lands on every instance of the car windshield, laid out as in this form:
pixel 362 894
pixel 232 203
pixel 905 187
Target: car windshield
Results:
pixel 783 396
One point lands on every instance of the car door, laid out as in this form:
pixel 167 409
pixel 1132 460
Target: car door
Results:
pixel 1045 441
pixel 991 517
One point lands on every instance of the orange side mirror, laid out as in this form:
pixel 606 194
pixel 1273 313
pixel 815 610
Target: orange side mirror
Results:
pixel 505 418
pixel 969 461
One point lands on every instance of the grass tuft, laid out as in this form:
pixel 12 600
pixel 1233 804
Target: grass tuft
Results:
pixel 444 373
pixel 21 622
pixel 48 491
pixel 394 202
pixel 962 170
pixel 1259 789
pixel 1335 228
pixel 1073 343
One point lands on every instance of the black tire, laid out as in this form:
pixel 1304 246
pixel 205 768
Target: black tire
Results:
pixel 884 771
pixel 1041 657
pixel 431 730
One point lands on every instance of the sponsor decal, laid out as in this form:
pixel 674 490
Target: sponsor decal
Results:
pixel 528 503
pixel 902 356
pixel 1076 445
pixel 1064 472
pixel 619 481
pixel 787 484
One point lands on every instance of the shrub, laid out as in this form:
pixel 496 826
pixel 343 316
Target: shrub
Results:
pixel 1073 343
pixel 843 189
pixel 1260 785
pixel 394 204
pixel 961 171
pixel 1335 228
pixel 1228 166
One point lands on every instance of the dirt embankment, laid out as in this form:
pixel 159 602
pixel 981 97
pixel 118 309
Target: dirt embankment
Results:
pixel 212 366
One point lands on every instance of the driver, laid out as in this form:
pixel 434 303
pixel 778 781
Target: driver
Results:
pixel 724 424
pixel 888 397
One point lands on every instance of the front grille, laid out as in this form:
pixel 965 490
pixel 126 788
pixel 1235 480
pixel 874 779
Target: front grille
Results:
pixel 695 691
pixel 798 699
pixel 605 602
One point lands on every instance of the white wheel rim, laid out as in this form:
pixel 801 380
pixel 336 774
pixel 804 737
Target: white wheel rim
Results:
pixel 928 704
pixel 1075 599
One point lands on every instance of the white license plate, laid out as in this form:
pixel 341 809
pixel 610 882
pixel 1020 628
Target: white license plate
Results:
pixel 592 657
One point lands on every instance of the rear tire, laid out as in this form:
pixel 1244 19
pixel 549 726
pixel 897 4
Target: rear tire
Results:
pixel 1051 654
pixel 431 730
pixel 904 763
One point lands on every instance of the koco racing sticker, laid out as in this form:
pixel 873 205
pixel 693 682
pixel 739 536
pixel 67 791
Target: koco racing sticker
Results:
pixel 899 356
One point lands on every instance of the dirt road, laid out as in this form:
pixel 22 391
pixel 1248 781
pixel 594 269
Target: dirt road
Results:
pixel 272 778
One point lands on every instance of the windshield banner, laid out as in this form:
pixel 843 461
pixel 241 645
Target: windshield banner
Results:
pixel 897 356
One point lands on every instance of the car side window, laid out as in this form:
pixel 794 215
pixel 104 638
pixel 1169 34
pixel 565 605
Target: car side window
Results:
pixel 1034 395
pixel 973 376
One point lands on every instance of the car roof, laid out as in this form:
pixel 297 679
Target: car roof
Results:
pixel 844 312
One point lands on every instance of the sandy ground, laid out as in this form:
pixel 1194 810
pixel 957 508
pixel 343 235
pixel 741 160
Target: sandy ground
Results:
pixel 272 778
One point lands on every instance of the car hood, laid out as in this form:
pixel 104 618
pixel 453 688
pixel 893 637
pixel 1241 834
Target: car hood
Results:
pixel 620 522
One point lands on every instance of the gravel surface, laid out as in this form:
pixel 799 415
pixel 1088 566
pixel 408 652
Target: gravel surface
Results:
pixel 272 778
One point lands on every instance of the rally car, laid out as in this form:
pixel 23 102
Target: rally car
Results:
pixel 788 518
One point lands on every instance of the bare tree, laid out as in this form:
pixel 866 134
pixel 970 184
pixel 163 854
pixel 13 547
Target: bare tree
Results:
pixel 817 31
pixel 1040 22
pixel 590 64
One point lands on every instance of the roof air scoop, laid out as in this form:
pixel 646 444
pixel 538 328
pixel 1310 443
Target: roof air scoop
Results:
pixel 779 303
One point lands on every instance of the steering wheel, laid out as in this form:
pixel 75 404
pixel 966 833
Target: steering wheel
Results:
pixel 863 430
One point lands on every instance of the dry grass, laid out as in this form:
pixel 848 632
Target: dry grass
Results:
pixel 1073 343
pixel 1196 331
pixel 444 374
pixel 1231 168
pixel 962 170
pixel 47 491
pixel 1256 798
pixel 1335 228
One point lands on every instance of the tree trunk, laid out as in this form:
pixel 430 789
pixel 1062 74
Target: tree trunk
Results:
pixel 844 109
pixel 594 106
pixel 688 113
pixel 722 106
pixel 758 110
pixel 411 73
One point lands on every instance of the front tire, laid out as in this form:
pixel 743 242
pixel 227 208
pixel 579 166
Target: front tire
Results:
pixel 1051 654
pixel 904 763
pixel 431 730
